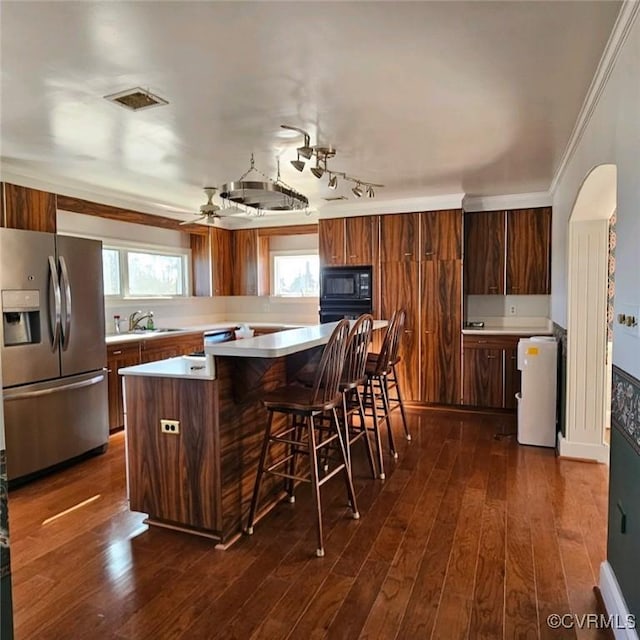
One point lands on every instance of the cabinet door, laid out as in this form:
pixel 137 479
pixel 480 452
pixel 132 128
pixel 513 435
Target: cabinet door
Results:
pixel 399 284
pixel 483 370
pixel 221 261
pixel 331 238
pixel 528 251
pixel 201 264
pixel 119 356
pixel 484 252
pixel 359 239
pixel 29 209
pixel 245 262
pixel 399 234
pixel 442 235
pixel 441 331
pixel 512 374
pixel 158 349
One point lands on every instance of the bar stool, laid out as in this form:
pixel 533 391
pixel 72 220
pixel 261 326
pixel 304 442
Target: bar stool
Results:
pixel 304 404
pixel 380 371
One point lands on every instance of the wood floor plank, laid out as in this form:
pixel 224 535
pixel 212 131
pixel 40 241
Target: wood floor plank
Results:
pixel 469 536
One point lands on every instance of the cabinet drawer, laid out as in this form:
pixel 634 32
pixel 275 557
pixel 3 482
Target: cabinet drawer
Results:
pixel 490 341
pixel 126 350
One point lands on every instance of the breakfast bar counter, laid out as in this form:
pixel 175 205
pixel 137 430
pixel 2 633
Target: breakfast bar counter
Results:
pixel 198 475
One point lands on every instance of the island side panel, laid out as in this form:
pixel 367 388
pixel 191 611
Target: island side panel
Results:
pixel 242 420
pixel 174 478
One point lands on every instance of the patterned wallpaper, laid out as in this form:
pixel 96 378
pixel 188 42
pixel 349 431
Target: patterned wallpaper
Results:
pixel 5 568
pixel 625 406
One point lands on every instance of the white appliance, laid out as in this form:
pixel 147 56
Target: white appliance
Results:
pixel 537 360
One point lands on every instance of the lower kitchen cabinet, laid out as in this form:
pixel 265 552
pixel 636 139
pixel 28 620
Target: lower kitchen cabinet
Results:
pixel 490 371
pixel 148 350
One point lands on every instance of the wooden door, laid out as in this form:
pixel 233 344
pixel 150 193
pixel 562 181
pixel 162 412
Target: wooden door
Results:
pixel 484 252
pixel 118 357
pixel 399 284
pixel 512 383
pixel 529 251
pixel 359 240
pixel 441 233
pixel 441 331
pixel 483 385
pixel 221 261
pixel 30 209
pixel 331 237
pixel 245 262
pixel 399 237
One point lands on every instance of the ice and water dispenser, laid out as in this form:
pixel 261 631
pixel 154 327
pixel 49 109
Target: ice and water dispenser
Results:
pixel 21 317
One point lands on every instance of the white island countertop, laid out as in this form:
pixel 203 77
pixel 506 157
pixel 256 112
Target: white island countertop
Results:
pixel 283 343
pixel 190 367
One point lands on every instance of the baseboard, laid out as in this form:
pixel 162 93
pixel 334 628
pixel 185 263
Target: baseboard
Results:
pixel 582 451
pixel 615 603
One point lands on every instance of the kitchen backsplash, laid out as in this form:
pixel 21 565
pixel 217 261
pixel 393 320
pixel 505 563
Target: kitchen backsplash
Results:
pixel 196 311
pixel 483 307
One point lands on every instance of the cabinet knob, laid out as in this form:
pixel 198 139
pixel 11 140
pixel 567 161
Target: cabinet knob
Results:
pixel 491 357
pixel 116 353
pixel 409 253
pixel 428 253
pixel 353 256
pixel 482 342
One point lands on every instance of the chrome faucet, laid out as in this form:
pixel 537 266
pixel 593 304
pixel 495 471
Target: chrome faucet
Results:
pixel 134 322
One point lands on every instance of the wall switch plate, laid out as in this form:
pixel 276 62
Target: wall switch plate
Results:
pixel 170 426
pixel 513 310
pixel 627 318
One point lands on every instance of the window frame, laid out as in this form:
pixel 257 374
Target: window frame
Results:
pixel 124 248
pixel 291 252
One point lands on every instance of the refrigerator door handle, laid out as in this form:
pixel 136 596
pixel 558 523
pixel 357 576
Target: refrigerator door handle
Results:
pixel 22 395
pixel 64 276
pixel 57 299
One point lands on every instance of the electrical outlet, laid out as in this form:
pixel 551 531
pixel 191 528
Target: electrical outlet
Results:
pixel 513 310
pixel 170 426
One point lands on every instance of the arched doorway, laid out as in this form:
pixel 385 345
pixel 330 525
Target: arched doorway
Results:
pixel 588 343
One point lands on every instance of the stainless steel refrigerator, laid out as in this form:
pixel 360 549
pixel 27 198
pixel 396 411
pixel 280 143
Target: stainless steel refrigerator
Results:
pixel 53 349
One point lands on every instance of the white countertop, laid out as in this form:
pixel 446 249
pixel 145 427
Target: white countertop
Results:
pixel 508 331
pixel 191 367
pixel 120 338
pixel 283 343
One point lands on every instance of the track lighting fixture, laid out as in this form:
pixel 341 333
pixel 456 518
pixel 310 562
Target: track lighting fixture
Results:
pixel 322 154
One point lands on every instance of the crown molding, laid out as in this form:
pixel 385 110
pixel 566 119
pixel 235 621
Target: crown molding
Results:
pixel 396 205
pixel 511 201
pixel 626 17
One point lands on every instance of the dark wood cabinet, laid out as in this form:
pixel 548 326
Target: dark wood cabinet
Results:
pixel 399 237
pixel 491 376
pixel 441 331
pixel 398 285
pixel 201 264
pixel 528 251
pixel 360 237
pixel 484 252
pixel 245 262
pixel 441 235
pixel 119 356
pixel 30 209
pixel 331 238
pixel 221 261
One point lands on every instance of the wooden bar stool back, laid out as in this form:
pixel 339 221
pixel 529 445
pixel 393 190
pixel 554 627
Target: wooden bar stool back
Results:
pixel 300 437
pixel 379 370
pixel 353 378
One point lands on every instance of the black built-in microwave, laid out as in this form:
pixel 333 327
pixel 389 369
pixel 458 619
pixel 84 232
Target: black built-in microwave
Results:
pixel 345 284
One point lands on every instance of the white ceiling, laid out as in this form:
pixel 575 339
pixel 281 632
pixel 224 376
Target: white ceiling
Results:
pixel 428 98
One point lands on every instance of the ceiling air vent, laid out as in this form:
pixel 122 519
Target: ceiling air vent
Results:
pixel 334 198
pixel 136 99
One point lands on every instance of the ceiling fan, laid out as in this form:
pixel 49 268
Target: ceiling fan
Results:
pixel 208 211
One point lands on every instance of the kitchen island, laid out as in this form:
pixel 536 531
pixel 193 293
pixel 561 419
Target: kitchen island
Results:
pixel 198 476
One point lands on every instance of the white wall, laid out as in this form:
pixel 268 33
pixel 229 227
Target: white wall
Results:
pixel 611 136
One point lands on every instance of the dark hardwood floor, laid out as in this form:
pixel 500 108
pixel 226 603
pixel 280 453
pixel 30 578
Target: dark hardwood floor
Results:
pixel 468 537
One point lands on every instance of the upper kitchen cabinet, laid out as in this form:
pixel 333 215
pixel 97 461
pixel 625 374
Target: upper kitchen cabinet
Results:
pixel 528 251
pixel 31 209
pixel 442 235
pixel 399 237
pixel 331 234
pixel 245 262
pixel 360 239
pixel 484 252
pixel 221 261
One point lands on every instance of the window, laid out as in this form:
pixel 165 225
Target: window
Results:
pixel 295 273
pixel 145 273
